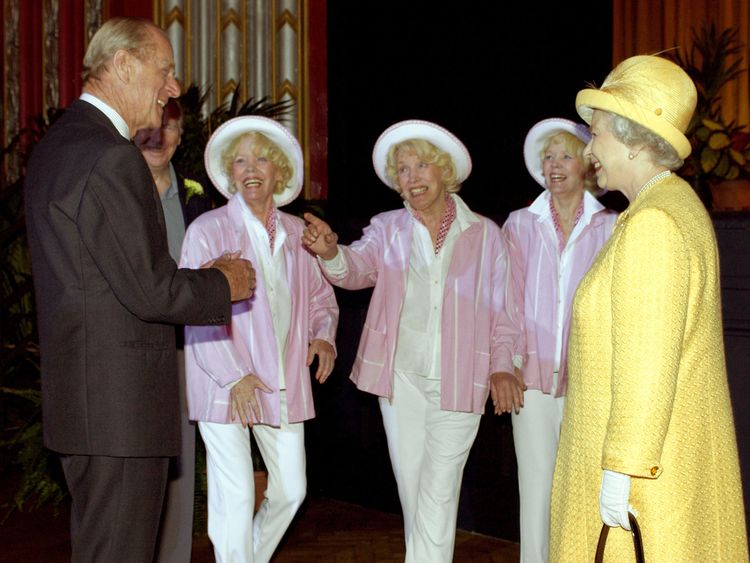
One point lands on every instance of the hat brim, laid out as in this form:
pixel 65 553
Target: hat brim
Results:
pixel 428 131
pixel 537 137
pixel 590 99
pixel 279 134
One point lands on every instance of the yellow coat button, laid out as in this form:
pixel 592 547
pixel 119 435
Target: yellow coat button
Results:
pixel 654 471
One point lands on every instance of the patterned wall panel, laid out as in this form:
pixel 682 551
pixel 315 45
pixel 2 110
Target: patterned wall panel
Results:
pixel 258 64
pixel 255 45
pixel 175 24
pixel 231 35
pixel 92 15
pixel 219 45
pixel 286 54
pixel 222 44
pixel 11 92
pixel 51 10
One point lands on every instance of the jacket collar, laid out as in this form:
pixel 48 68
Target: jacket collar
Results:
pixel 116 119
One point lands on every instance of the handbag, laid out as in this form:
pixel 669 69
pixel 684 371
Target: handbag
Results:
pixel 635 531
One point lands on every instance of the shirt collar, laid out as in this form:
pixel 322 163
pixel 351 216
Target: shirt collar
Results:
pixel 172 190
pixel 540 207
pixel 464 215
pixel 110 112
pixel 252 222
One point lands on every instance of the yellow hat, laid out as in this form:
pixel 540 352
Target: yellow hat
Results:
pixel 650 90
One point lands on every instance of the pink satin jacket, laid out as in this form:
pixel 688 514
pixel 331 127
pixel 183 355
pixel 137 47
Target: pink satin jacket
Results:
pixel 478 337
pixel 536 265
pixel 217 356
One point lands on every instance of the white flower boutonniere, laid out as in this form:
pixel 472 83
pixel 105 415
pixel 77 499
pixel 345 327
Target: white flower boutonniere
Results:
pixel 193 188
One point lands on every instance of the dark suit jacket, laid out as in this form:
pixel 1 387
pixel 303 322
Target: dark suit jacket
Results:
pixel 107 292
pixel 192 206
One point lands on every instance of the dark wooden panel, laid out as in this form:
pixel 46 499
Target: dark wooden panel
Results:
pixel 733 237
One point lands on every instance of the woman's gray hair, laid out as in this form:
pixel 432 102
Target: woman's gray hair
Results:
pixel 631 134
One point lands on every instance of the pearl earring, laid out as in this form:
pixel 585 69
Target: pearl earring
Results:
pixel 631 156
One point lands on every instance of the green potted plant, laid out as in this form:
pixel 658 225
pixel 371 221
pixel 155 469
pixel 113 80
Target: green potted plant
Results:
pixel 723 151
pixel 723 155
pixel 719 163
pixel 36 472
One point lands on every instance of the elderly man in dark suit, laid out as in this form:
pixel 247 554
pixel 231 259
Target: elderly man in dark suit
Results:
pixel 108 295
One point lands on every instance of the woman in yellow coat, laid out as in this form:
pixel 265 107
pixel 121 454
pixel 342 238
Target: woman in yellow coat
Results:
pixel 648 424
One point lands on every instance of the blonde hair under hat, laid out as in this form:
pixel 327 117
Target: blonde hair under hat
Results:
pixel 538 136
pixel 273 130
pixel 439 136
pixel 649 90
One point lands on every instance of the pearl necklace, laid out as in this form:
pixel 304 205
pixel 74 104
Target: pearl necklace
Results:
pixel 653 180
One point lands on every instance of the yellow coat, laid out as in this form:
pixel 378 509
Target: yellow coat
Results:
pixel 648 392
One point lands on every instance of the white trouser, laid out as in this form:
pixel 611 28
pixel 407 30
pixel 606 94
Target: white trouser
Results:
pixel 428 448
pixel 237 537
pixel 536 434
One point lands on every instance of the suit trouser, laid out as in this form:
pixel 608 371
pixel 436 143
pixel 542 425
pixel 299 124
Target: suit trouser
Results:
pixel 116 506
pixel 237 537
pixel 428 448
pixel 536 434
pixel 176 532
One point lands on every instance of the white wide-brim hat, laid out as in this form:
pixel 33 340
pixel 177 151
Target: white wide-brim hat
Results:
pixel 537 137
pixel 279 134
pixel 428 131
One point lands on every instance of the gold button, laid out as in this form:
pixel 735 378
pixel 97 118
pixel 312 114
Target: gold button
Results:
pixel 657 112
pixel 654 471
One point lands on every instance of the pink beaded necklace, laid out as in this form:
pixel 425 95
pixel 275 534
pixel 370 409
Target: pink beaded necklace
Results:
pixel 271 225
pixel 445 223
pixel 558 225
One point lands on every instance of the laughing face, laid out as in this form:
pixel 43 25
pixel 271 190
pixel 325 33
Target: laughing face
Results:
pixel 420 183
pixel 608 155
pixel 153 84
pixel 254 176
pixel 159 154
pixel 564 173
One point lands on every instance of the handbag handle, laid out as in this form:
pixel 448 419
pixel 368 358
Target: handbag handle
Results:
pixel 635 531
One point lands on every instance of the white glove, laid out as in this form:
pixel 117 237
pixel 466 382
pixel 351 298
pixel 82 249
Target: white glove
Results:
pixel 613 499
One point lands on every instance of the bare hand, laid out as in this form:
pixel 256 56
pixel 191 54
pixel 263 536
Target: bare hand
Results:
pixel 506 390
pixel 325 354
pixel 239 273
pixel 319 237
pixel 244 401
